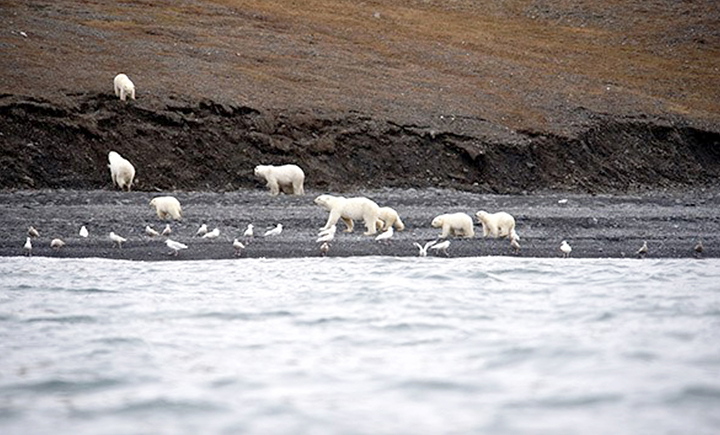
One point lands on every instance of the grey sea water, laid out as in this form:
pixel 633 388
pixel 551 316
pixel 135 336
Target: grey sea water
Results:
pixel 369 345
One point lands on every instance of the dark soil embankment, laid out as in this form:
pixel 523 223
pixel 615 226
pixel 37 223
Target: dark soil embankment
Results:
pixel 478 95
pixel 209 146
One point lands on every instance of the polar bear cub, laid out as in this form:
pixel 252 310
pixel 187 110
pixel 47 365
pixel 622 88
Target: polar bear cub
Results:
pixel 122 171
pixel 123 87
pixel 389 218
pixel 288 178
pixel 458 224
pixel 498 224
pixel 348 209
pixel 167 206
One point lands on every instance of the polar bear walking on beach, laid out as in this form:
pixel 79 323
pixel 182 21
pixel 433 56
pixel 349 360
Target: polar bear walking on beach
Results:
pixel 458 224
pixel 348 209
pixel 498 224
pixel 123 87
pixel 167 206
pixel 288 178
pixel 122 171
pixel 389 218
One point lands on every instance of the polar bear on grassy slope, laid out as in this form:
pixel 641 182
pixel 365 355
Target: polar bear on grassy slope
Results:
pixel 288 178
pixel 348 209
pixel 458 224
pixel 123 87
pixel 389 218
pixel 498 224
pixel 122 171
pixel 167 206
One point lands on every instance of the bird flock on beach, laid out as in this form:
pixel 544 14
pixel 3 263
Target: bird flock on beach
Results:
pixel 496 225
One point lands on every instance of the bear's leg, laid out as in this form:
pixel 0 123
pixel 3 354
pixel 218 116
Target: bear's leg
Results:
pixel 332 219
pixel 298 187
pixel 349 223
pixel 370 226
pixel 445 231
pixel 132 94
pixel 122 94
pixel 274 188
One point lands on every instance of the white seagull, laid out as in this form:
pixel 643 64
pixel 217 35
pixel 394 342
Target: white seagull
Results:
pixel 275 231
pixel 423 249
pixel 565 248
pixel 32 232
pixel 385 235
pixel 83 231
pixel 175 246
pixel 151 231
pixel 212 234
pixel 643 250
pixel 249 231
pixel 324 249
pixel 442 246
pixel 117 239
pixel 238 247
pixel 202 230
pixel 57 244
pixel 28 246
pixel 167 231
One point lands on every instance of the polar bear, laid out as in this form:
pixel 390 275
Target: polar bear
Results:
pixel 388 217
pixel 167 206
pixel 288 178
pixel 123 87
pixel 498 224
pixel 348 209
pixel 122 171
pixel 458 224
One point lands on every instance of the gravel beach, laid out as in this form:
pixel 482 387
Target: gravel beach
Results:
pixel 596 226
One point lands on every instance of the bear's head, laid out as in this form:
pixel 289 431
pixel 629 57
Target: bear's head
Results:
pixel 481 215
pixel 437 222
pixel 260 170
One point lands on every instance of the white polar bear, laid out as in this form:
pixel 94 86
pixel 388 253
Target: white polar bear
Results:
pixel 288 178
pixel 458 224
pixel 348 209
pixel 498 224
pixel 123 87
pixel 167 206
pixel 122 171
pixel 388 218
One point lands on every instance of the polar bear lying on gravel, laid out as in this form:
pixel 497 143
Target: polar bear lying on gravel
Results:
pixel 349 209
pixel 122 171
pixel 167 206
pixel 496 225
pixel 288 178
pixel 389 217
pixel 123 87
pixel 458 224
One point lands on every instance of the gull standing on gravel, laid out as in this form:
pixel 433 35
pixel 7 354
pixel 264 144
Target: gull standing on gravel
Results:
pixel 385 235
pixel 151 231
pixel 565 248
pixel 28 247
pixel 643 250
pixel 57 244
pixel 249 231
pixel 238 247
pixel 83 232
pixel 167 231
pixel 202 230
pixel 117 239
pixel 275 231
pixel 442 246
pixel 32 232
pixel 175 246
pixel 212 234
pixel 423 249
